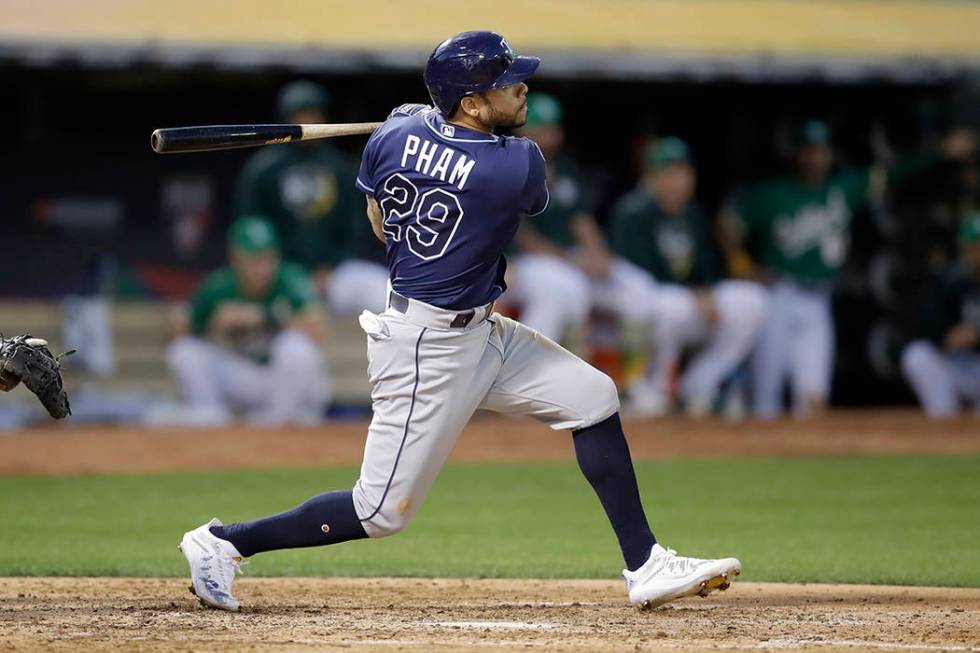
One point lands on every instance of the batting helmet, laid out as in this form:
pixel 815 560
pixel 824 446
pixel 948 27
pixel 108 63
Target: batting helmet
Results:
pixel 472 62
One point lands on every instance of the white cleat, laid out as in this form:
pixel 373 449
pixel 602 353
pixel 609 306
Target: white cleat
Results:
pixel 214 563
pixel 666 576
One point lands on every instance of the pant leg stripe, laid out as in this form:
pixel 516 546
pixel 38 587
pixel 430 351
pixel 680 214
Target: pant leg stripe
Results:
pixel 408 422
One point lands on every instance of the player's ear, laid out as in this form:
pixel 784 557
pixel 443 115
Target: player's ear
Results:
pixel 470 105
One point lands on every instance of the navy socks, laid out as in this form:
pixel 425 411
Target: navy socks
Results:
pixel 327 518
pixel 604 458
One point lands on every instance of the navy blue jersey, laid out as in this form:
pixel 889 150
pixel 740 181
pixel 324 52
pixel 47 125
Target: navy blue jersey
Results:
pixel 452 199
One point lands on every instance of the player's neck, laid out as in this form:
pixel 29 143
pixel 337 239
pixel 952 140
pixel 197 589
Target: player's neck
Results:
pixel 461 119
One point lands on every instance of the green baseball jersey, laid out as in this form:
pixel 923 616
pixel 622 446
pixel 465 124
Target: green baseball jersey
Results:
pixel 567 201
pixel 953 300
pixel 291 292
pixel 674 249
pixel 803 231
pixel 308 194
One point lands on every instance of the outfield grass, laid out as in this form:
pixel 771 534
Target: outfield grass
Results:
pixel 904 520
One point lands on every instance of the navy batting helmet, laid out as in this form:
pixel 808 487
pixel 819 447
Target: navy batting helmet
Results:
pixel 472 62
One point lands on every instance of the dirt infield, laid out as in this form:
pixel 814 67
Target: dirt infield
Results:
pixel 98 450
pixel 478 615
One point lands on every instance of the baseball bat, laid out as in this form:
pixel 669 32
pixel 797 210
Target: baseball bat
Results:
pixel 227 137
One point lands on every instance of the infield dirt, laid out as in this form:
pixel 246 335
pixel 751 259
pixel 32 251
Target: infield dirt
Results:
pixel 97 450
pixel 386 614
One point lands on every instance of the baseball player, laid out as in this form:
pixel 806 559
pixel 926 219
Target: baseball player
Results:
pixel 659 229
pixel 253 347
pixel 447 195
pixel 798 228
pixel 563 246
pixel 308 193
pixel 943 366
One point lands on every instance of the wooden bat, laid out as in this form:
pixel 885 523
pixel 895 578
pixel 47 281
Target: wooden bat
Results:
pixel 227 137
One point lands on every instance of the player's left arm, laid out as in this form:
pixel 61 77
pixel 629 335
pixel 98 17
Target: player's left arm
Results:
pixel 376 218
pixel 535 196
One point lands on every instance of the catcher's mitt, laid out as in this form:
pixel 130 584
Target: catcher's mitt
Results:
pixel 28 359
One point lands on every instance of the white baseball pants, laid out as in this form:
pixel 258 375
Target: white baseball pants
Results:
pixel 741 307
pixel 428 379
pixel 357 284
pixel 941 380
pixel 553 294
pixel 87 324
pixel 292 388
pixel 671 313
pixel 797 345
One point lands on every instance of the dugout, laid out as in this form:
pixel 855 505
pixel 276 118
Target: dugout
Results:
pixel 88 207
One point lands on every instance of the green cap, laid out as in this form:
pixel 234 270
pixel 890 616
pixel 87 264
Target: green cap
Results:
pixel 667 151
pixel 813 132
pixel 970 228
pixel 543 109
pixel 253 234
pixel 301 96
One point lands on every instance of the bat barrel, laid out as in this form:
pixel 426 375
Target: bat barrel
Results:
pixel 221 137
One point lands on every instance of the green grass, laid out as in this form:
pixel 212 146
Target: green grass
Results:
pixel 907 520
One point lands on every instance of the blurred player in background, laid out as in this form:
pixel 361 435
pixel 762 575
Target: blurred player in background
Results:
pixel 306 190
pixel 254 344
pixel 943 366
pixel 660 230
pixel 562 247
pixel 797 229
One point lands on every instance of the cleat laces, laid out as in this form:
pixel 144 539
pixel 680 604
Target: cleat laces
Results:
pixel 678 565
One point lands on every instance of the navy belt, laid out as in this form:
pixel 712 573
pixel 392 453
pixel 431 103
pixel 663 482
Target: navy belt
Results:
pixel 459 321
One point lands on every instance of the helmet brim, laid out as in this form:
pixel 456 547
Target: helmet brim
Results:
pixel 521 69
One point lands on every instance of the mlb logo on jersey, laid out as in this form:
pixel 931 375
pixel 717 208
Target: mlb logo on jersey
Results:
pixel 448 130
